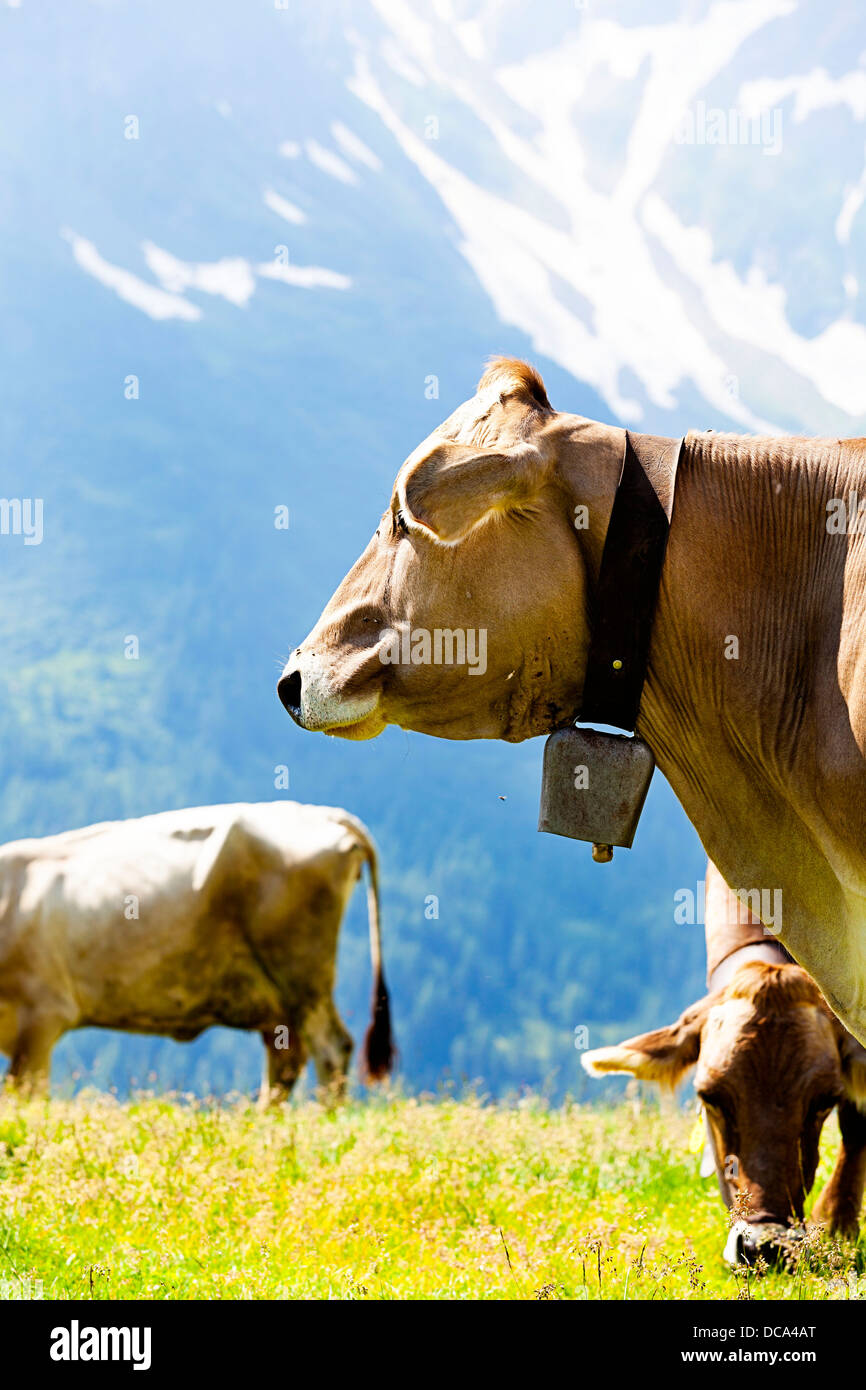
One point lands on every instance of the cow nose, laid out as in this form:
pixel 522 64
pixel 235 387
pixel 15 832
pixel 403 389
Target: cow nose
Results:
pixel 289 691
pixel 771 1242
pixel 749 1247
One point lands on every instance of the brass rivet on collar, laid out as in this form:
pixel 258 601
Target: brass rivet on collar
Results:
pixel 617 665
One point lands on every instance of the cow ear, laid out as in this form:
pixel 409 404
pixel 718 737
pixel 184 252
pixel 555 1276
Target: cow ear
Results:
pixel 664 1055
pixel 454 487
pixel 852 1055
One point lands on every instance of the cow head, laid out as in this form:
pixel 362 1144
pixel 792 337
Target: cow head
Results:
pixel 465 615
pixel 772 1062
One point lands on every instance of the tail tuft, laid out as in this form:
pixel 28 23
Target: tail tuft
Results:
pixel 378 1055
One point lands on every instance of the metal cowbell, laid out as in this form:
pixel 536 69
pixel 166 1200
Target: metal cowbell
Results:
pixel 593 788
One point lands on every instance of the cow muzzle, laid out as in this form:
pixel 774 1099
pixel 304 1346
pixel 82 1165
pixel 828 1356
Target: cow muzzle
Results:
pixel 770 1241
pixel 317 705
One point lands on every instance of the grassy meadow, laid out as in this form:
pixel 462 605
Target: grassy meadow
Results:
pixel 389 1198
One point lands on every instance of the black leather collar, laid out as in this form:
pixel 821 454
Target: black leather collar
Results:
pixel 628 581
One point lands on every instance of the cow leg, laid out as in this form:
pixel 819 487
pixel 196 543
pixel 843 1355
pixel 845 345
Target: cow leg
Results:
pixel 30 1068
pixel 838 1207
pixel 331 1046
pixel 285 1059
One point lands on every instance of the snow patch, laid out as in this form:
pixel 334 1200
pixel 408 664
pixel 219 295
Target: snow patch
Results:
pixel 355 148
pixel 851 205
pixel 304 277
pixel 156 303
pixel 812 91
pixel 400 64
pixel 330 163
pixel 753 311
pixel 283 208
pixel 232 277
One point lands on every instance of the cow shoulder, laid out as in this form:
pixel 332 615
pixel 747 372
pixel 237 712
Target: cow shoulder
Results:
pixel 281 837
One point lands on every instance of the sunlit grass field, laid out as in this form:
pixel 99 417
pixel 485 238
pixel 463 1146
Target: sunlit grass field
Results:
pixel 381 1199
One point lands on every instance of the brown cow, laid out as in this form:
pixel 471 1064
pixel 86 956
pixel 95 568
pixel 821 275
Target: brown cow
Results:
pixel 772 1062
pixel 755 699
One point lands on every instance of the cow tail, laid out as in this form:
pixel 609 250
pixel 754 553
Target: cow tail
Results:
pixel 378 1055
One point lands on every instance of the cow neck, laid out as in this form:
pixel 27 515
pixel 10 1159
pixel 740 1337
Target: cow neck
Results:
pixel 626 590
pixel 771 952
pixel 742 612
pixel 735 588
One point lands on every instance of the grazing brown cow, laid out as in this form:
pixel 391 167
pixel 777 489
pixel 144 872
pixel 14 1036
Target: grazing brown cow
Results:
pixel 179 921
pixel 772 1062
pixel 755 698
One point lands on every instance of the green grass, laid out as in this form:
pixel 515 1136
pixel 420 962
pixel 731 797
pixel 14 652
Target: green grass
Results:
pixel 387 1198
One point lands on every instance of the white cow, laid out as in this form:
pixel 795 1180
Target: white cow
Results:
pixel 175 922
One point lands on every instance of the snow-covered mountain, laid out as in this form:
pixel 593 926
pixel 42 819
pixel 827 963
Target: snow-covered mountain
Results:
pixel 667 206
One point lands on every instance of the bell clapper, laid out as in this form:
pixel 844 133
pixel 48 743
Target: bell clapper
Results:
pixel 602 854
